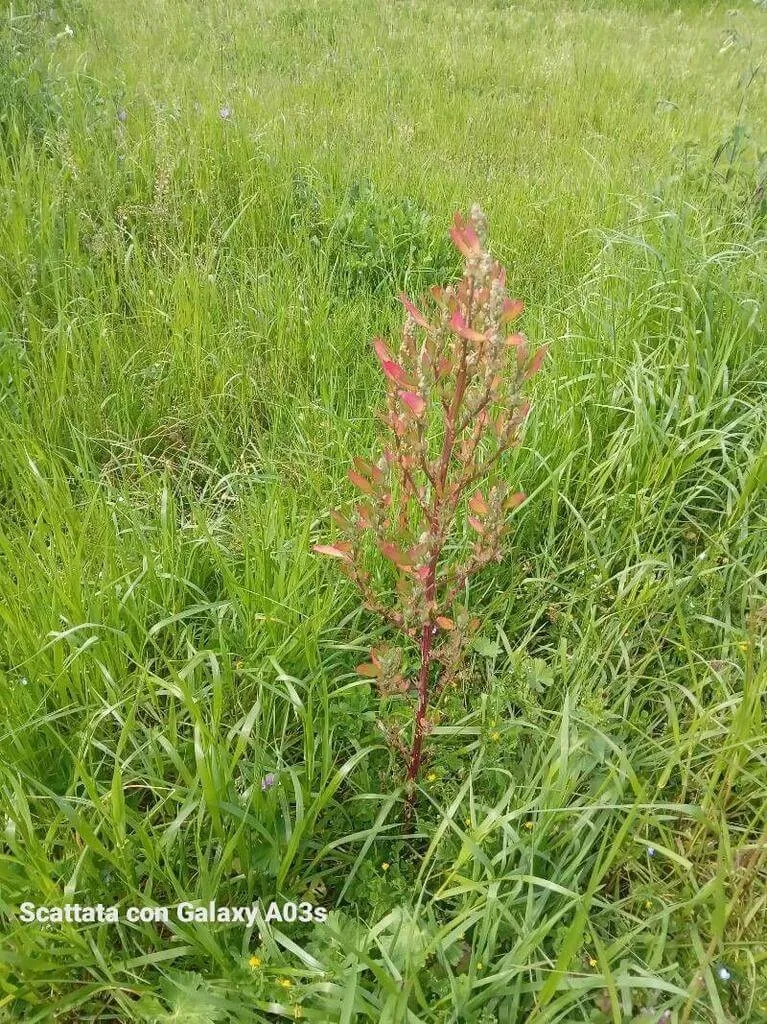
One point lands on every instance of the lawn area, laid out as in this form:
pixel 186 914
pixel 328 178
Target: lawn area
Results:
pixel 207 210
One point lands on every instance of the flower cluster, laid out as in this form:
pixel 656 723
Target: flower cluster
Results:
pixel 434 505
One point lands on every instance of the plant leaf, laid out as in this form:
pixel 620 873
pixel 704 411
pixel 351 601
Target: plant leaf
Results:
pixel 394 554
pixel 487 648
pixel 340 520
pixel 465 238
pixel 382 351
pixel 360 481
pixel 478 504
pixel 512 308
pixel 363 466
pixel 462 329
pixel 515 340
pixel 369 670
pixel 394 372
pixel 415 313
pixel 413 401
pixel 333 550
pixel 536 362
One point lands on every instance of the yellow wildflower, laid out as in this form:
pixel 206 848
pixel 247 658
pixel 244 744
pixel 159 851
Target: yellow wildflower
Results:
pixel 385 865
pixel 285 983
pixel 592 962
pixel 495 735
pixel 255 962
pixel 529 825
pixel 431 777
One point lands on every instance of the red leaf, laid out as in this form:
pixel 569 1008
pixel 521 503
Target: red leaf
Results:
pixel 414 402
pixel 478 504
pixel 394 554
pixel 460 242
pixel 333 550
pixel 423 572
pixel 477 524
pixel 368 669
pixel 360 481
pixel 521 356
pixel 515 340
pixel 445 622
pixel 536 362
pixel 399 425
pixel 471 237
pixel 514 500
pixel 365 516
pixel 394 372
pixel 461 328
pixel 340 520
pixel 464 237
pixel 512 309
pixel 416 314
pixel 363 466
pixel 381 350
pixel 368 469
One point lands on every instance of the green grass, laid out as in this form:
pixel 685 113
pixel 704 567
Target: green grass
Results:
pixel 185 306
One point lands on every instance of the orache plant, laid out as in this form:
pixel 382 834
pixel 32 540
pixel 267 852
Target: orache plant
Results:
pixel 435 504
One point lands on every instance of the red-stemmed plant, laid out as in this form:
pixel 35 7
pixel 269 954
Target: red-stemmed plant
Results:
pixel 435 505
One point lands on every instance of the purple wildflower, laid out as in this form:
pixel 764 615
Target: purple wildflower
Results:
pixel 268 781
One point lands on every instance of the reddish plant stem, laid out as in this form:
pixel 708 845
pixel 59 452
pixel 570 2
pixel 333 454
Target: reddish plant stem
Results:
pixel 419 729
pixel 428 631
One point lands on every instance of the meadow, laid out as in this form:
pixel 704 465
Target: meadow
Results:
pixel 206 212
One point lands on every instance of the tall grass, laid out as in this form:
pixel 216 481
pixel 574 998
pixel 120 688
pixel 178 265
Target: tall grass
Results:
pixel 206 211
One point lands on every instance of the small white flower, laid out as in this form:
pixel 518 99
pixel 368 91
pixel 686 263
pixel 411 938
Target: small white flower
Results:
pixel 724 974
pixel 650 851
